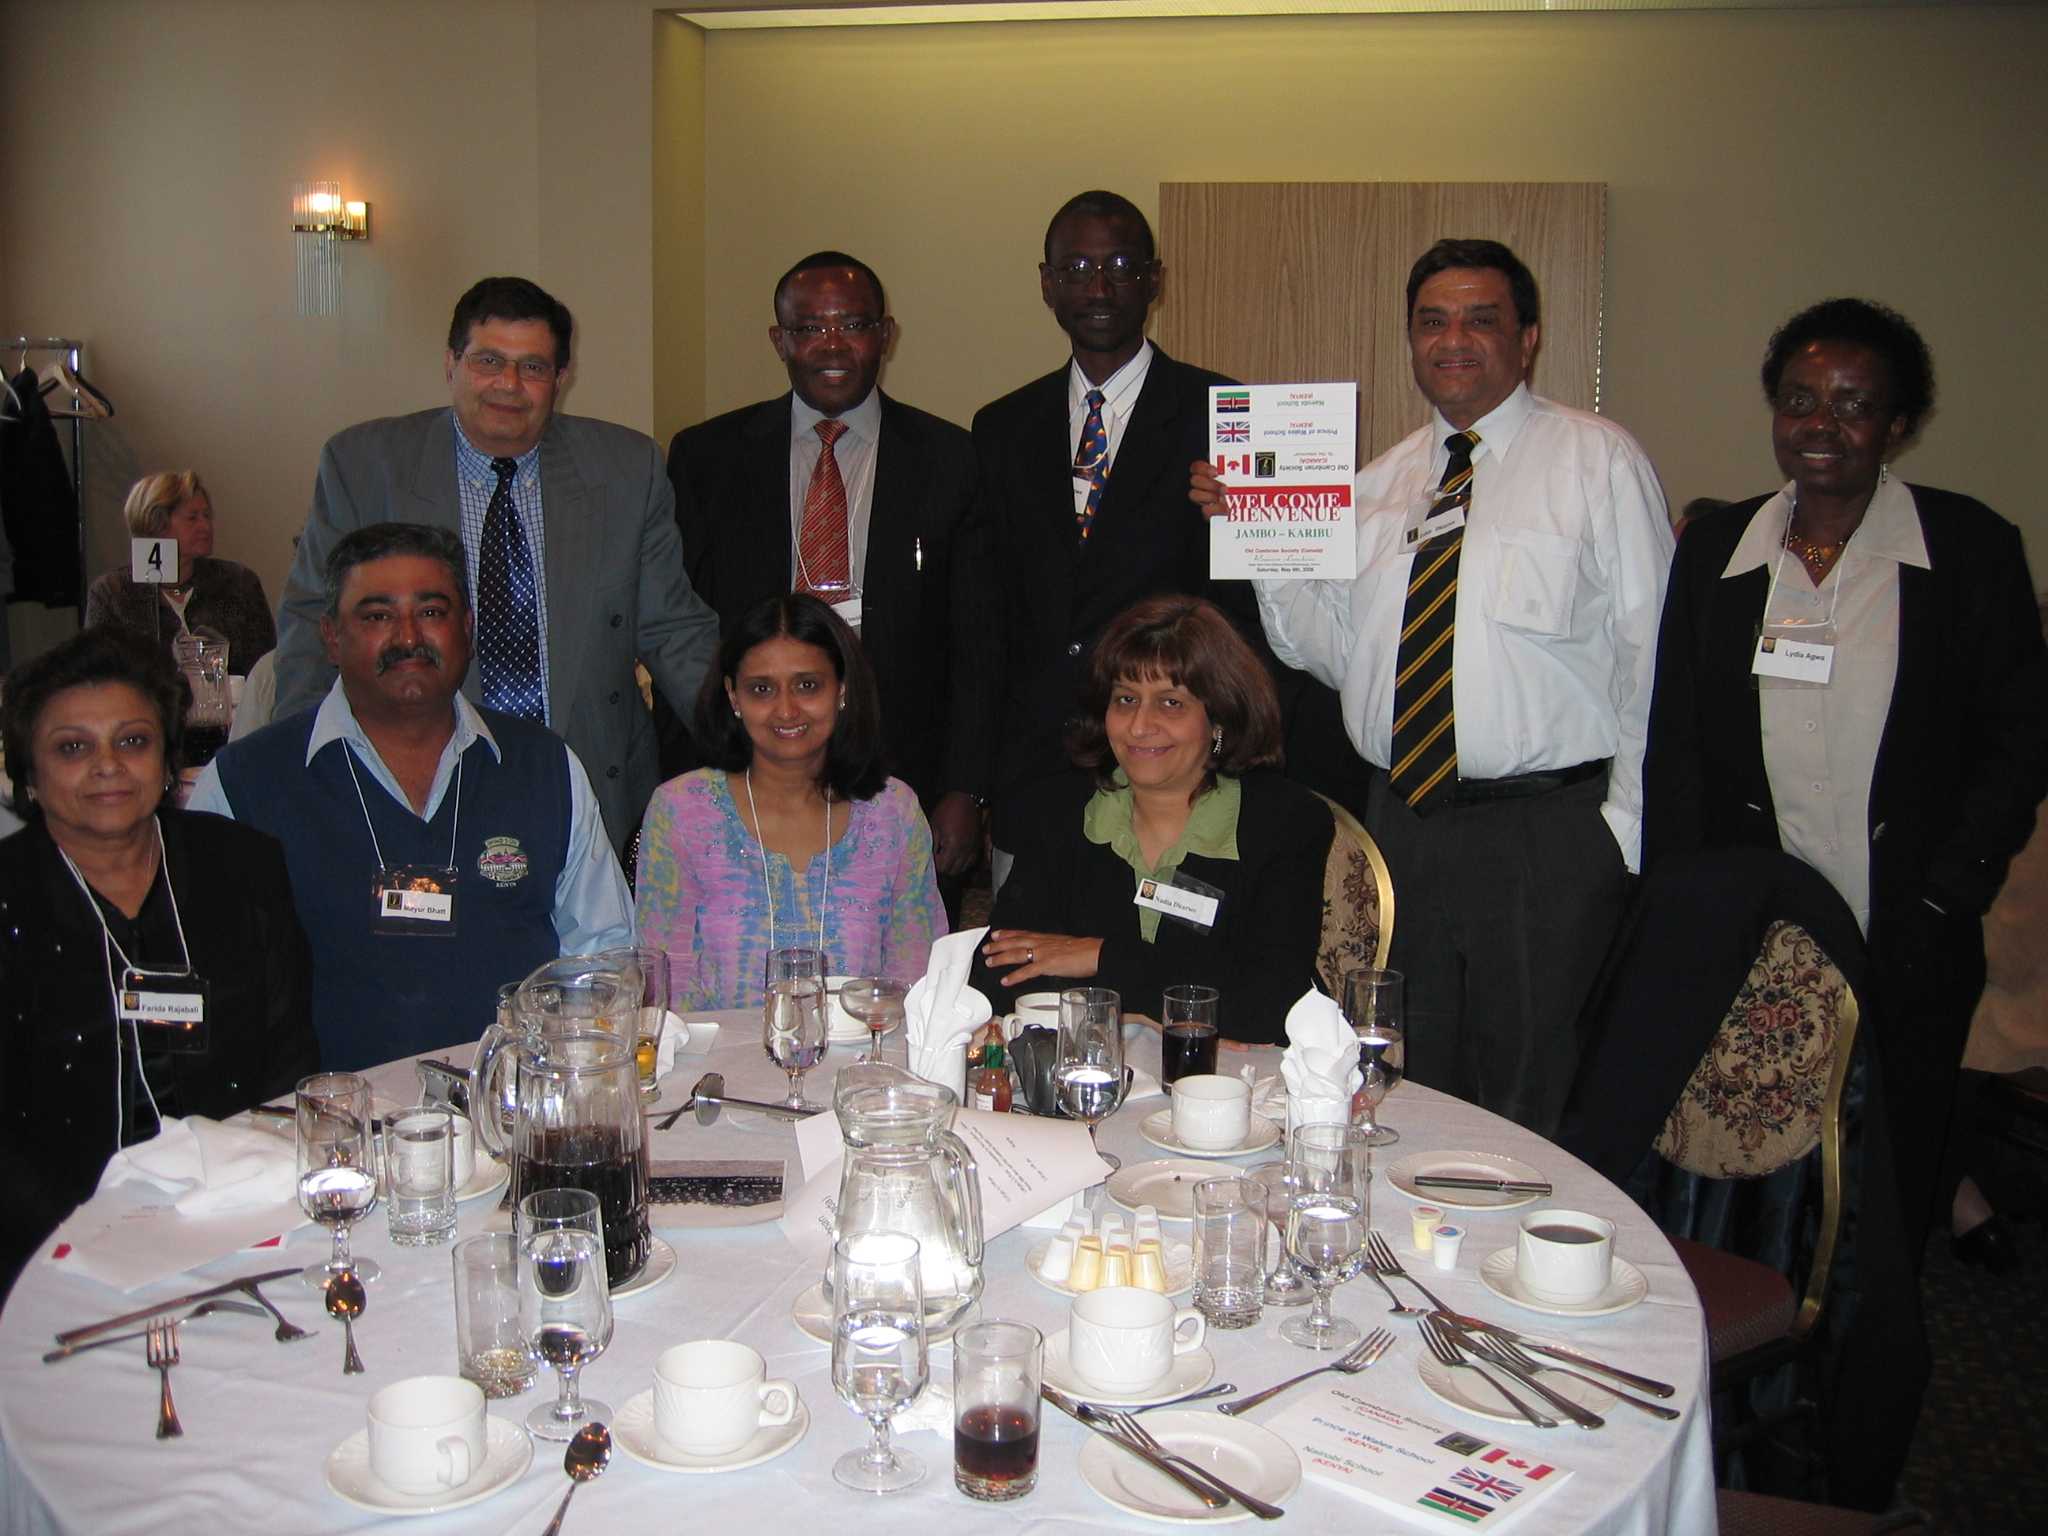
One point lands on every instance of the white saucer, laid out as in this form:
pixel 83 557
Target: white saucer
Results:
pixel 1626 1286
pixel 661 1263
pixel 812 1314
pixel 507 1454
pixel 633 1428
pixel 1463 1165
pixel 1157 1128
pixel 1180 1269
pixel 1167 1184
pixel 1472 1393
pixel 488 1179
pixel 1253 1458
pixel 1190 1373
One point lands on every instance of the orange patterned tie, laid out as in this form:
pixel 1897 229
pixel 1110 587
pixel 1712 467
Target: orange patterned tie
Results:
pixel 821 537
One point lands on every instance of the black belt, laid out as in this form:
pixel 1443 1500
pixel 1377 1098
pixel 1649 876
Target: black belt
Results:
pixel 1520 786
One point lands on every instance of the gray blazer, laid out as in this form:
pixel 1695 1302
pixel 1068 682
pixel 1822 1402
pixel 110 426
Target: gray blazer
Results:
pixel 617 591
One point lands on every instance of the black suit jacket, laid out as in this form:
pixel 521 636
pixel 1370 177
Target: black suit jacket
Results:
pixel 1057 592
pixel 923 619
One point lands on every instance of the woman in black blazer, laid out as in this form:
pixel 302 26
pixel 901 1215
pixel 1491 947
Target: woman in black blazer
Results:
pixel 1179 809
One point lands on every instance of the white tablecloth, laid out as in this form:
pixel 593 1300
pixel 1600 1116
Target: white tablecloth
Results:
pixel 77 1453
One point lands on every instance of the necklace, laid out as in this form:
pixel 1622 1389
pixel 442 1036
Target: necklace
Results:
pixel 767 889
pixel 1816 557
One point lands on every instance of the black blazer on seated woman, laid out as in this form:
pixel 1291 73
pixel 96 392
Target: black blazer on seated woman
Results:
pixel 1260 953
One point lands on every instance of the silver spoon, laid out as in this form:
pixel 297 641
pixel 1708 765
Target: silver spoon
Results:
pixel 346 1300
pixel 589 1453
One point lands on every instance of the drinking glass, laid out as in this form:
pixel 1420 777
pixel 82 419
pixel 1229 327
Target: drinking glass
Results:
pixel 790 964
pixel 879 1363
pixel 337 1165
pixel 1286 1286
pixel 1187 1039
pixel 419 1174
pixel 651 966
pixel 1342 1154
pixel 877 1002
pixel 1089 1074
pixel 565 1313
pixel 793 1030
pixel 1230 1244
pixel 1373 1009
pixel 1326 1238
pixel 997 1367
pixel 566 1206
pixel 490 1350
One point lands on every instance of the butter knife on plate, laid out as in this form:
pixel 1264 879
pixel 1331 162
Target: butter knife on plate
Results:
pixel 1497 1186
pixel 1558 1352
pixel 1210 1498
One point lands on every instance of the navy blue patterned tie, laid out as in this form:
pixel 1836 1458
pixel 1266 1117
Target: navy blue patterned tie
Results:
pixel 508 608
pixel 1091 461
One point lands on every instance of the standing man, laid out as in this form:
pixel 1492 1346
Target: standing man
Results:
pixel 1495 655
pixel 436 850
pixel 836 489
pixel 1081 487
pixel 568 537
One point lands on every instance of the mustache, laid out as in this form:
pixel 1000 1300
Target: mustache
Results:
pixel 393 655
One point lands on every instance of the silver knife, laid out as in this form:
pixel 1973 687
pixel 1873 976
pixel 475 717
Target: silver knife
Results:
pixel 144 1314
pixel 1497 1186
pixel 1648 1384
pixel 1585 1418
pixel 1210 1498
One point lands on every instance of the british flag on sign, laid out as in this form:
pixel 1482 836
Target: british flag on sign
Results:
pixel 1486 1483
pixel 1233 431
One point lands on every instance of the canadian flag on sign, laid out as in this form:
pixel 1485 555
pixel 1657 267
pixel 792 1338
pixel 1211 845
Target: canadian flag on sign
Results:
pixel 1533 1470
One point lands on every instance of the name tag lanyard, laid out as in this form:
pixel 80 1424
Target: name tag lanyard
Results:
pixel 454 830
pixel 768 890
pixel 111 946
pixel 1811 662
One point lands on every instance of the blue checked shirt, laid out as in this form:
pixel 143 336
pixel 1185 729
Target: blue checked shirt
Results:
pixel 477 482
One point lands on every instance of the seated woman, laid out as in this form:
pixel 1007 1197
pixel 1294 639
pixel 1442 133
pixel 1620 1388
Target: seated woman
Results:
pixel 1180 855
pixel 108 891
pixel 794 837
pixel 217 595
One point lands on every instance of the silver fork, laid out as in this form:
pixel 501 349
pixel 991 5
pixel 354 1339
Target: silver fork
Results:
pixel 1384 1263
pixel 1127 1424
pixel 205 1309
pixel 1529 1362
pixel 163 1354
pixel 1350 1363
pixel 1485 1349
pixel 287 1332
pixel 1446 1349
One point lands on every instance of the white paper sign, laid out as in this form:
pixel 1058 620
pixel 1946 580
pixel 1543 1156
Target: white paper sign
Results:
pixel 1801 661
pixel 1288 452
pixel 154 561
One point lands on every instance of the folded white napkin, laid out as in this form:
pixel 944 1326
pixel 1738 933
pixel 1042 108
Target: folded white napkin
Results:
pixel 942 1012
pixel 213 1169
pixel 1321 1060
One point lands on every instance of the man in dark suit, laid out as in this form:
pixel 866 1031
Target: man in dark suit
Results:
pixel 836 489
pixel 1084 486
pixel 569 530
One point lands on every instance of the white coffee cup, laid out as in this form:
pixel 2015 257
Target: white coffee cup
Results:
pixel 427 1433
pixel 1033 1009
pixel 712 1396
pixel 1122 1339
pixel 465 1152
pixel 1564 1256
pixel 839 1024
pixel 1212 1112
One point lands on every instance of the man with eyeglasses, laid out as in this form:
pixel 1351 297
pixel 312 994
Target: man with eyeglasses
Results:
pixel 837 489
pixel 568 528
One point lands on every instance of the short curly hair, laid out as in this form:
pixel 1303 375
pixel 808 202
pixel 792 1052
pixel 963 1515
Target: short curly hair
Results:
pixel 102 654
pixel 1867 324
pixel 1188 642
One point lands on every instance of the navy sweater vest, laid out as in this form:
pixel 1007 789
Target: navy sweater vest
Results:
pixel 379 996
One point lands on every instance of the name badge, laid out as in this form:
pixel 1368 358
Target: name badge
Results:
pixel 848 608
pixel 414 899
pixel 1190 906
pixel 1420 527
pixel 171 1007
pixel 1794 660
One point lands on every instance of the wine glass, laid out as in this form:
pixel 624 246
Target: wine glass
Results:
pixel 879 1363
pixel 1089 1074
pixel 1282 1182
pixel 337 1165
pixel 790 964
pixel 878 1003
pixel 793 1030
pixel 1326 1238
pixel 565 1315
pixel 1341 1155
pixel 1373 1009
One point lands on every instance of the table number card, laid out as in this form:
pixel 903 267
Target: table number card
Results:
pixel 153 561
pixel 1287 452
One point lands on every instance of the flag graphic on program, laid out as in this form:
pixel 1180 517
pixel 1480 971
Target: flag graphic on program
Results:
pixel 1486 1483
pixel 1445 1502
pixel 1233 431
pixel 1535 1471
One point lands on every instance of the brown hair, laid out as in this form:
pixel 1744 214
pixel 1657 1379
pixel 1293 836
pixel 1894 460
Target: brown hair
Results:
pixel 1192 645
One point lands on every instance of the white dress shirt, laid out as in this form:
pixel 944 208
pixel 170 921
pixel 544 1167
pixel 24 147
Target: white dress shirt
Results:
pixel 1820 743
pixel 1560 590
pixel 593 909
pixel 1119 397
pixel 855 454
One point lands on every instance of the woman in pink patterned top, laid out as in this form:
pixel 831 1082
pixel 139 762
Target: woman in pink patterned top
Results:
pixel 794 835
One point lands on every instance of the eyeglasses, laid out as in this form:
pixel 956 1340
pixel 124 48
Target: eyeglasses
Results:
pixel 849 330
pixel 1121 270
pixel 491 365
pixel 1849 410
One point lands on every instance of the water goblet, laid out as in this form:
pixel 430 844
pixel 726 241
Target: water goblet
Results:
pixel 793 1030
pixel 877 1002
pixel 1326 1238
pixel 565 1314
pixel 1089 1072
pixel 336 1155
pixel 879 1361
pixel 1286 1286
pixel 1342 1154
pixel 1373 1007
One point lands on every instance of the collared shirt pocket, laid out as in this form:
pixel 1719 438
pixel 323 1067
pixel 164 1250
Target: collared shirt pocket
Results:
pixel 1535 582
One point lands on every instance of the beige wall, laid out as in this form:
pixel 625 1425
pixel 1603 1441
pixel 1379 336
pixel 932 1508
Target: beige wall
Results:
pixel 147 148
pixel 1756 162
pixel 678 222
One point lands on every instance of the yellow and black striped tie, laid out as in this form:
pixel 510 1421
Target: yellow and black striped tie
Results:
pixel 1425 756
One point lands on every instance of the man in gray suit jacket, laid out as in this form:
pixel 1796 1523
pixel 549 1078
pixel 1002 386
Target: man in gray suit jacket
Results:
pixel 573 553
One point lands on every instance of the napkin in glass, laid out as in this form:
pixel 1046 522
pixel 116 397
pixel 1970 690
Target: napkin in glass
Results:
pixel 1321 1060
pixel 942 1012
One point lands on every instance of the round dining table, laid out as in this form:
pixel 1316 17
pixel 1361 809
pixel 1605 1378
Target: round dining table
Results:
pixel 77 1452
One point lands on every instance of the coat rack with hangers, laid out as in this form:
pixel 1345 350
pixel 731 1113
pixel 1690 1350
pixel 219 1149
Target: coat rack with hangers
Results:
pixel 64 375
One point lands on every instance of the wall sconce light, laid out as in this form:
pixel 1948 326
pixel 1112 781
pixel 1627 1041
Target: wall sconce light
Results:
pixel 321 219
